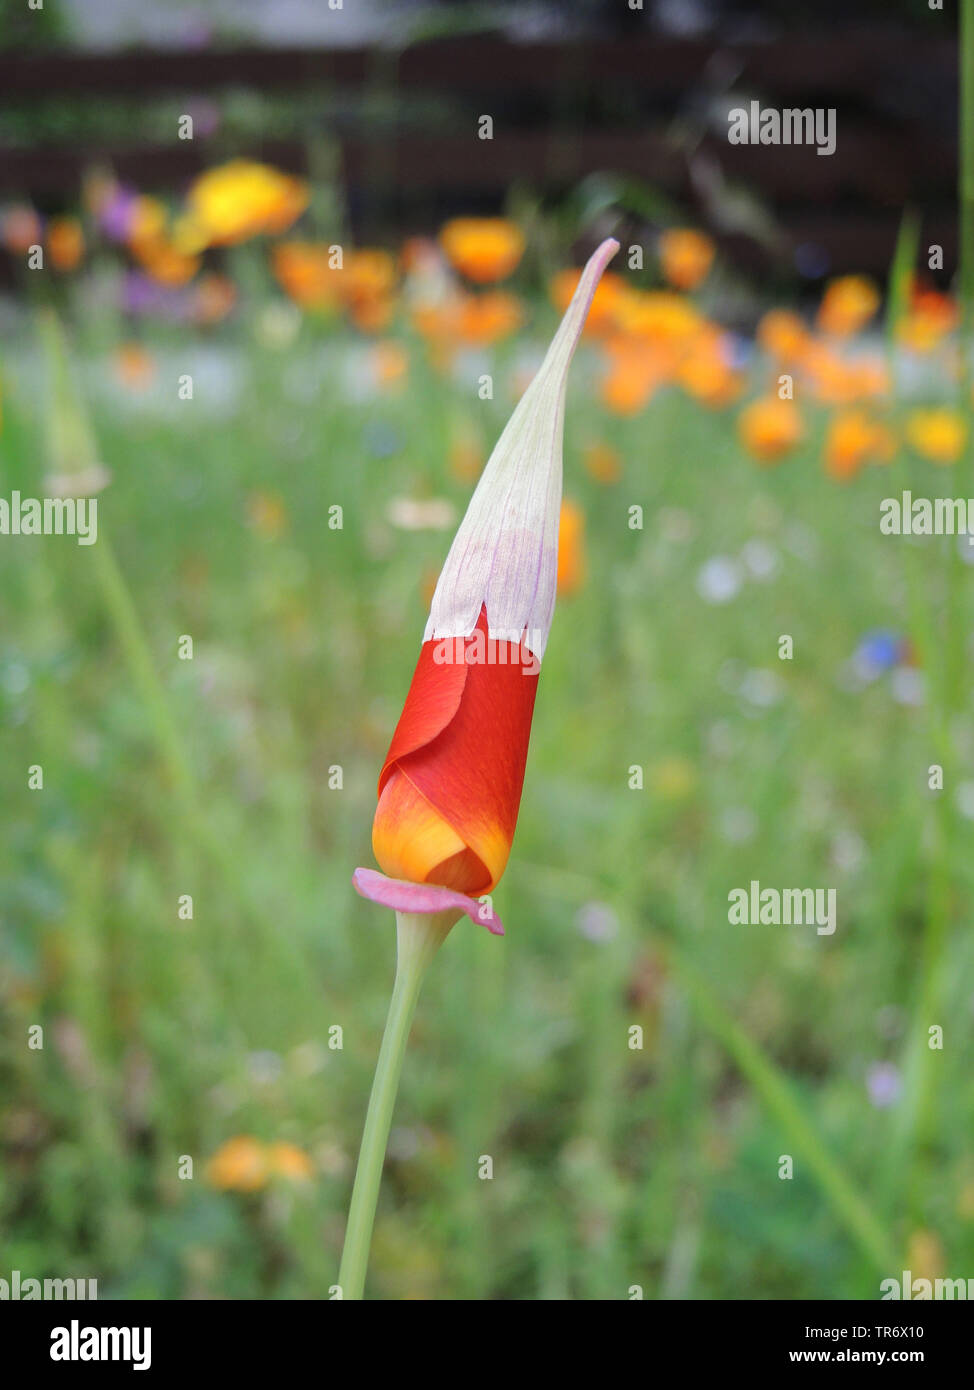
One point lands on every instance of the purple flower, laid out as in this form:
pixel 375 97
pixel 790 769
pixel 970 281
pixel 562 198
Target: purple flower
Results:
pixel 884 1084
pixel 117 213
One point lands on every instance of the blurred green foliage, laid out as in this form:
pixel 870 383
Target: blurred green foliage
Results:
pixel 166 1037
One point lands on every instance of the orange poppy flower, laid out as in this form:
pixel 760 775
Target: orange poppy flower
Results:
pixel 571 548
pixel 65 243
pixel 602 315
pixel 685 256
pixel 239 1165
pixel 306 272
pixel 769 428
pixel 484 249
pixel 134 365
pixel 783 335
pixel 450 787
pixel 164 263
pixel 602 463
pixel 635 370
pixel 930 317
pixel 853 439
pixel 847 305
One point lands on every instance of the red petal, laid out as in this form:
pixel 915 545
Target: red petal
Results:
pixel 473 771
pixel 433 700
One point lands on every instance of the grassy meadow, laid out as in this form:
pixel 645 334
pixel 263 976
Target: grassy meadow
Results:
pixel 167 1038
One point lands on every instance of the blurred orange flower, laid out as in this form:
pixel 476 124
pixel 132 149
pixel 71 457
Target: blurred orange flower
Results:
pixel 306 272
pixel 660 315
pixel 288 1161
pixel 148 223
pixel 685 256
pixel 605 302
pixel 239 1165
pixel 65 243
pixel 706 373
pixel 164 263
pixel 473 320
pixel 213 297
pixel 783 334
pixel 244 1164
pixel 929 318
pixel 602 463
pixel 484 249
pixel 853 439
pixel 635 370
pixel 367 284
pixel 937 433
pixel 134 365
pixel 389 362
pixel 835 381
pixel 240 200
pixel 769 428
pixel 847 305
pixel 571 549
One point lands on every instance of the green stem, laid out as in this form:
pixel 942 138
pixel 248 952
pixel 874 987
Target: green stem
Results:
pixel 419 938
pixel 848 1204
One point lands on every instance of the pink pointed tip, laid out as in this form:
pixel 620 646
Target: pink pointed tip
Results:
pixel 404 896
pixel 602 255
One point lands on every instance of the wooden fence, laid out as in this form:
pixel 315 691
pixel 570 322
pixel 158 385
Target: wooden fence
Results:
pixel 640 107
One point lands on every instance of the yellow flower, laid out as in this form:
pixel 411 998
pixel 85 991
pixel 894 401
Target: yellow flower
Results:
pixel 239 1165
pixel 937 433
pixel 847 305
pixel 484 249
pixel 769 428
pixel 240 200
pixel 685 256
